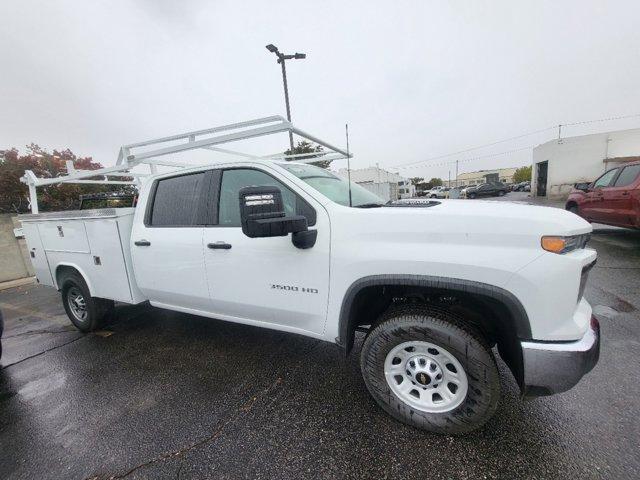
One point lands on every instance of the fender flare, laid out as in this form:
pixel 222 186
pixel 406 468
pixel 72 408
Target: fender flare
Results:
pixel 513 305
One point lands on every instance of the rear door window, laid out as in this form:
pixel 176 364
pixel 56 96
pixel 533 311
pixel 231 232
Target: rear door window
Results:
pixel 627 176
pixel 179 201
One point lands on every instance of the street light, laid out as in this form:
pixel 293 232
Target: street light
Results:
pixel 281 60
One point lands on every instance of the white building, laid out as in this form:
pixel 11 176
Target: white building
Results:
pixel 385 184
pixel 557 165
pixel 504 175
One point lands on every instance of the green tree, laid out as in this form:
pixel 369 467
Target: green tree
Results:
pixel 522 174
pixel 435 182
pixel 416 180
pixel 308 147
pixel 14 195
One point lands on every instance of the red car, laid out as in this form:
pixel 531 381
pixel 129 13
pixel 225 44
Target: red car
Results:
pixel 613 199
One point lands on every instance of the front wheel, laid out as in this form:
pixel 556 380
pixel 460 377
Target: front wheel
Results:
pixel 427 369
pixel 471 195
pixel 501 193
pixel 85 312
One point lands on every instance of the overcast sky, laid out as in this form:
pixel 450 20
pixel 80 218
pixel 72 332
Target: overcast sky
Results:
pixel 414 80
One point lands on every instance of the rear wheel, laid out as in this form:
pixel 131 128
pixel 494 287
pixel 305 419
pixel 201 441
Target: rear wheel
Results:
pixel 426 368
pixel 85 312
pixel 501 193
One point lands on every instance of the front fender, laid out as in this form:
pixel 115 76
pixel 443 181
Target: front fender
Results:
pixel 346 327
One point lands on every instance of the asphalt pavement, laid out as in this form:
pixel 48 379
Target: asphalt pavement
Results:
pixel 158 394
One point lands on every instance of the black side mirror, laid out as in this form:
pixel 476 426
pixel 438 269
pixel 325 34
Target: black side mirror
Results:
pixel 262 215
pixel 582 186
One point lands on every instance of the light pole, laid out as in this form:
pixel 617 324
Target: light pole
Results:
pixel 281 60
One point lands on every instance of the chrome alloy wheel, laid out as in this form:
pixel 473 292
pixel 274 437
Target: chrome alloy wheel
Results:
pixel 77 304
pixel 426 377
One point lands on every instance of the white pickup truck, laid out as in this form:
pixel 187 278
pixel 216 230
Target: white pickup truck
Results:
pixel 437 288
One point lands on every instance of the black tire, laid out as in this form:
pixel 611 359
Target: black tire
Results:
pixel 472 195
pixel 440 328
pixel 501 193
pixel 96 308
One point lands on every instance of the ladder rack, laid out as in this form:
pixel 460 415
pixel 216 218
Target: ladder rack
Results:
pixel 150 152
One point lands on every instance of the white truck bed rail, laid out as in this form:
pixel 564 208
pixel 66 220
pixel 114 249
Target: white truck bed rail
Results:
pixel 150 151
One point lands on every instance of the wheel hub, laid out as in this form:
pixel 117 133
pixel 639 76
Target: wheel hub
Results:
pixel 77 304
pixel 424 371
pixel 425 376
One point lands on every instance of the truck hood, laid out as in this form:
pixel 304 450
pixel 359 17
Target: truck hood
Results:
pixel 451 217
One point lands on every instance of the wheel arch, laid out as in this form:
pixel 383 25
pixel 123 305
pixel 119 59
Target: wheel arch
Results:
pixel 65 267
pixel 509 320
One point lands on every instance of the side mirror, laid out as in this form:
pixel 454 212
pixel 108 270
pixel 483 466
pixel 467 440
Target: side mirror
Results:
pixel 582 186
pixel 262 215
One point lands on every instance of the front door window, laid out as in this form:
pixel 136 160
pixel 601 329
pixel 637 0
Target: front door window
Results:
pixel 605 179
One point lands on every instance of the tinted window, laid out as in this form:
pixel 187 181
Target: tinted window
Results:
pixel 177 201
pixel 627 176
pixel 605 179
pixel 234 180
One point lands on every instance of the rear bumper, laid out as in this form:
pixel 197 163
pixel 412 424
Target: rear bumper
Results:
pixel 554 367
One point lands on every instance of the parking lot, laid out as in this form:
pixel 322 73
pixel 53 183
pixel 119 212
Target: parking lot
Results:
pixel 158 394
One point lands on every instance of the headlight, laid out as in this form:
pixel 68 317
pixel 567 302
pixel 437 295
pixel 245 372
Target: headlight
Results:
pixel 564 244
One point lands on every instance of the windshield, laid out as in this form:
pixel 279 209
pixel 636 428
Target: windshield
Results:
pixel 333 187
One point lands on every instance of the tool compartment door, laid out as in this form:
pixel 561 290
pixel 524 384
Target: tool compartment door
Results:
pixel 37 254
pixel 64 236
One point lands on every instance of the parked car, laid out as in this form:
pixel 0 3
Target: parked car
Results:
pixel 495 189
pixel 442 192
pixel 293 247
pixel 436 191
pixel 522 187
pixel 612 199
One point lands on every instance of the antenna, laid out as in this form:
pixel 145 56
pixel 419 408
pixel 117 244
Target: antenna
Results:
pixel 346 131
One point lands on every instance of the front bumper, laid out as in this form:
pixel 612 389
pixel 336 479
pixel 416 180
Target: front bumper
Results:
pixel 554 367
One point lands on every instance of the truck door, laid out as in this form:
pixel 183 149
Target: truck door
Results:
pixel 619 196
pixel 595 206
pixel 166 241
pixel 267 280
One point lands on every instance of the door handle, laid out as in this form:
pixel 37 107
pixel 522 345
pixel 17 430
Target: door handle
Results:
pixel 219 246
pixel 142 243
pixel 625 193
